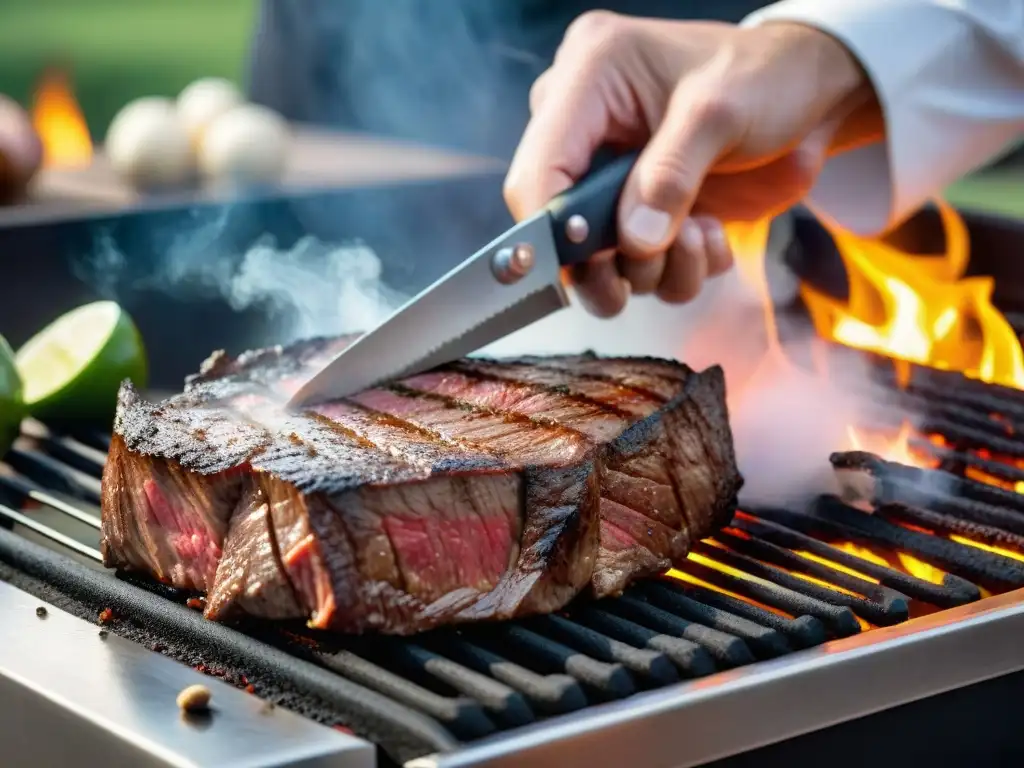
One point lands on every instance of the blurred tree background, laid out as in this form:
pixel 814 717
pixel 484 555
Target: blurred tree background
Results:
pixel 118 50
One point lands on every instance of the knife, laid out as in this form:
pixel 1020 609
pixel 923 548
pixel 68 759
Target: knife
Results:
pixel 509 284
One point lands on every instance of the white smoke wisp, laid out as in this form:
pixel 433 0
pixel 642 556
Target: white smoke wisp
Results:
pixel 321 290
pixel 311 289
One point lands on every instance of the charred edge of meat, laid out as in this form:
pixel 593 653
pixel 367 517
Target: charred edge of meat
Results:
pixel 166 430
pixel 220 365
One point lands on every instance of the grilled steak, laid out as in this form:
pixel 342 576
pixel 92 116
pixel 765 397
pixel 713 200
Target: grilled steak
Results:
pixel 480 490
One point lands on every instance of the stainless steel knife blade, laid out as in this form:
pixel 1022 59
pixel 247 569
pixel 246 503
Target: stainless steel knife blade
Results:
pixel 507 285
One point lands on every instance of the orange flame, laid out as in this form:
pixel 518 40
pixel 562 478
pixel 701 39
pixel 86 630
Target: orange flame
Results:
pixel 58 120
pixel 892 449
pixel 920 569
pixel 920 309
pixel 904 561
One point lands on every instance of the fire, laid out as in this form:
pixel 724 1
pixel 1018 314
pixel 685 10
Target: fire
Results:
pixel 835 566
pixel 920 569
pixel 58 120
pixel 920 309
pixel 862 552
pixel 896 449
pixel 905 561
pixel 1001 551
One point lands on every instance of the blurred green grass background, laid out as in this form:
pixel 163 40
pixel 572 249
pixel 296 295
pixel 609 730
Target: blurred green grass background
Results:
pixel 118 50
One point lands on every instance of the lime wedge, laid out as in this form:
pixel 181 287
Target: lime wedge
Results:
pixel 72 369
pixel 11 407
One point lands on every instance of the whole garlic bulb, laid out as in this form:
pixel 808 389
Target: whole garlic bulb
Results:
pixel 248 144
pixel 203 101
pixel 147 144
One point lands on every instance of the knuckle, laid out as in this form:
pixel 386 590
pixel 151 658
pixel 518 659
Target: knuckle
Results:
pixel 719 111
pixel 593 26
pixel 595 36
pixel 667 182
pixel 538 89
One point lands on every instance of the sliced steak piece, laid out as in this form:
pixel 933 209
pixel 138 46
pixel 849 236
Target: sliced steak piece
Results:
pixel 481 490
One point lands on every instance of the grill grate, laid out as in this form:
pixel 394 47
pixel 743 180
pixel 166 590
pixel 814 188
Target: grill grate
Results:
pixel 771 583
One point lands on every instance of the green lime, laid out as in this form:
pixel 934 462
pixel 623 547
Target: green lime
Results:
pixel 11 407
pixel 72 369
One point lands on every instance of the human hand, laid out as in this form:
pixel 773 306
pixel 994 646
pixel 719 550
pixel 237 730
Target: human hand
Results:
pixel 21 152
pixel 737 123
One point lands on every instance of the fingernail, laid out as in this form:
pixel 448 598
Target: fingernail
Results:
pixel 648 226
pixel 691 236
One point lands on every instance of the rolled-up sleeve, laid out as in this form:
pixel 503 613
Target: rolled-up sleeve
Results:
pixel 949 75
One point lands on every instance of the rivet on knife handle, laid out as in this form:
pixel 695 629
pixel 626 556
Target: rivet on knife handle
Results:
pixel 584 218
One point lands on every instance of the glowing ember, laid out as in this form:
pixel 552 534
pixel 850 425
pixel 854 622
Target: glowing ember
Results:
pixel 862 552
pixel 696 581
pixel 59 122
pixel 987 548
pixel 920 309
pixel 907 562
pixel 836 566
pixel 920 569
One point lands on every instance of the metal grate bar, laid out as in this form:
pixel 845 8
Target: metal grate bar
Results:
pixel 51 534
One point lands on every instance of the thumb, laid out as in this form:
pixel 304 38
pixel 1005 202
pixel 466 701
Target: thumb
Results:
pixel 664 183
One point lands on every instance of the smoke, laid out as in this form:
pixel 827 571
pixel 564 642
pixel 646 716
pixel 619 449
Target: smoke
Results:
pixel 310 289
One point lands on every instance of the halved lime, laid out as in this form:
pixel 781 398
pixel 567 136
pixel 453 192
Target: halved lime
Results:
pixel 12 408
pixel 72 369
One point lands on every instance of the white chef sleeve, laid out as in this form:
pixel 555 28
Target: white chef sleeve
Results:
pixel 950 78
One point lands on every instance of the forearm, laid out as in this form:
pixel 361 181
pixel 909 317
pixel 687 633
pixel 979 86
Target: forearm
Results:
pixel 949 80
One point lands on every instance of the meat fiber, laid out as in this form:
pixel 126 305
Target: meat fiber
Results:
pixel 480 490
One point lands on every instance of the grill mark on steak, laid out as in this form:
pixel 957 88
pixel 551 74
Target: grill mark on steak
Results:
pixel 414 443
pixel 489 373
pixel 629 403
pixel 480 428
pixel 511 417
pixel 600 377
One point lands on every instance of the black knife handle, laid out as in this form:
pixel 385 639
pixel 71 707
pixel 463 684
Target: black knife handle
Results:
pixel 585 217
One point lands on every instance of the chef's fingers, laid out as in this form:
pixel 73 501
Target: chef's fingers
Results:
pixel 602 290
pixel 643 275
pixel 716 244
pixel 686 265
pixel 570 116
pixel 699 125
pixel 539 91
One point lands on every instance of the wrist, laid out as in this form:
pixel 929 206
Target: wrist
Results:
pixel 841 76
pixel 845 92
